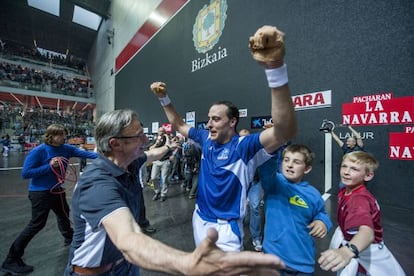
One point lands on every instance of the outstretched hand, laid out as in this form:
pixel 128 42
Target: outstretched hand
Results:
pixel 172 143
pixel 334 259
pixel 267 45
pixel 159 89
pixel 208 259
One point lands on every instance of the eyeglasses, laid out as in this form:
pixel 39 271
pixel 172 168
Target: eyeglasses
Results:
pixel 130 137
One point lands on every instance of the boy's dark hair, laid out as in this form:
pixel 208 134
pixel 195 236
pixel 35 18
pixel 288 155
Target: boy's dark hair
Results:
pixel 309 155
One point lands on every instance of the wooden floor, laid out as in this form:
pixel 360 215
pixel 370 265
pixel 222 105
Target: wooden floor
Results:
pixel 172 219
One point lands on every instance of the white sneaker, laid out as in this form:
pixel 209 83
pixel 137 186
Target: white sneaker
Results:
pixel 257 245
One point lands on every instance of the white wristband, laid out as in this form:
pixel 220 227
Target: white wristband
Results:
pixel 277 77
pixel 165 101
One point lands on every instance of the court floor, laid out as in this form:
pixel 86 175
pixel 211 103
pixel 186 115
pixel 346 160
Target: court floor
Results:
pixel 171 218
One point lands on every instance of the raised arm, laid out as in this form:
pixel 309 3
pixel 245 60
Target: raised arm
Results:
pixel 357 136
pixel 154 154
pixel 267 47
pixel 206 259
pixel 160 90
pixel 336 138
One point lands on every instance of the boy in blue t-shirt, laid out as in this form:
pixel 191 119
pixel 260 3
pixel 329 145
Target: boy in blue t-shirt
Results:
pixel 294 210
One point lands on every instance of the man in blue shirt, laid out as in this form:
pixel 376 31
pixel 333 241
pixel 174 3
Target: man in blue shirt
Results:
pixel 229 161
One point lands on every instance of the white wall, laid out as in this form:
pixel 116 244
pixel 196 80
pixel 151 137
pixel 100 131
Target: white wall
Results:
pixel 127 16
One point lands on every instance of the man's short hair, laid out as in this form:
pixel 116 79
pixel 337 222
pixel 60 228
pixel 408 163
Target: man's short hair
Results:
pixel 232 110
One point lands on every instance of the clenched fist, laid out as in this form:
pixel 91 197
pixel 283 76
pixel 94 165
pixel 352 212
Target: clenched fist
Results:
pixel 267 44
pixel 159 89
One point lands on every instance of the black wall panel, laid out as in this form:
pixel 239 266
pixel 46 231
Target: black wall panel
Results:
pixel 353 48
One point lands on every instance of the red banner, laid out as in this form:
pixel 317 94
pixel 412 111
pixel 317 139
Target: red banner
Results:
pixel 393 111
pixel 401 146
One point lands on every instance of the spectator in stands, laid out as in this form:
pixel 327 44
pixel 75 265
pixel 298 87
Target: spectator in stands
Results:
pixel 12 49
pixel 43 80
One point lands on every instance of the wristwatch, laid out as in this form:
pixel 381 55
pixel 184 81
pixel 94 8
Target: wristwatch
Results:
pixel 354 249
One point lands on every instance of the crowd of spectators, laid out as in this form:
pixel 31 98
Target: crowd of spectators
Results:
pixel 25 77
pixel 13 50
pixel 33 123
pixel 25 68
pixel 36 70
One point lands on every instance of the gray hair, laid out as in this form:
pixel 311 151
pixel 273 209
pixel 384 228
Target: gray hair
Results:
pixel 111 125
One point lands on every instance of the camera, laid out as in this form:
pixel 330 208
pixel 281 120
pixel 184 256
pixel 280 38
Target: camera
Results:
pixel 327 126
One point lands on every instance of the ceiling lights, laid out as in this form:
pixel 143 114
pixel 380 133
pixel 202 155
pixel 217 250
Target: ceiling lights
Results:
pixel 81 16
pixel 49 6
pixel 86 18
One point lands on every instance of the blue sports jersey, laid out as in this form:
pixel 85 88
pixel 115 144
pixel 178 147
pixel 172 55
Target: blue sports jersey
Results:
pixel 225 174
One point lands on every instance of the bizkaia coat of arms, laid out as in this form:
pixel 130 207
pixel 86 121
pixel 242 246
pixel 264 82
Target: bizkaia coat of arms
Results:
pixel 209 25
